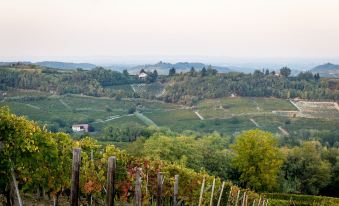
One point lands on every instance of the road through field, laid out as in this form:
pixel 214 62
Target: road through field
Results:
pixel 200 117
pixel 283 131
pixel 254 122
pixel 145 119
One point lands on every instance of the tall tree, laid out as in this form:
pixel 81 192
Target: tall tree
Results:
pixel 203 72
pixel 258 159
pixel 172 72
pixel 285 71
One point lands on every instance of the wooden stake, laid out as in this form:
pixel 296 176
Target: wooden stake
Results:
pixel 243 199
pixel 138 193
pixel 14 191
pixel 159 191
pixel 75 177
pixel 111 167
pixel 201 192
pixel 236 202
pixel 229 201
pixel 92 160
pixel 259 201
pixel 222 190
pixel 211 200
pixel 176 190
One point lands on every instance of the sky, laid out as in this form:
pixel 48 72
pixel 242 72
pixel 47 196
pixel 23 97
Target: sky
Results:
pixel 103 30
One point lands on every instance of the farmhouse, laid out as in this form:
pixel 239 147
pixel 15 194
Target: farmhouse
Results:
pixel 143 74
pixel 80 128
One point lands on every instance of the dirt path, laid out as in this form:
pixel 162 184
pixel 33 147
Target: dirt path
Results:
pixel 336 106
pixel 257 105
pixel 32 106
pixel 200 117
pixel 65 104
pixel 112 118
pixel 294 104
pixel 145 119
pixel 283 131
pixel 254 122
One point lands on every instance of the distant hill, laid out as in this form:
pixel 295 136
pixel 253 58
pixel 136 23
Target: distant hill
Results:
pixel 163 67
pixel 328 69
pixel 65 65
pixel 12 63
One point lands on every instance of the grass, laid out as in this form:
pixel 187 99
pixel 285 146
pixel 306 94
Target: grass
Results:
pixel 145 119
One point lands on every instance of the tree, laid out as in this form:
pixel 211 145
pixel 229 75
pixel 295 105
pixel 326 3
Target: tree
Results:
pixel 125 73
pixel 172 72
pixel 305 170
pixel 258 159
pixel 211 71
pixel 285 71
pixel 192 71
pixel 203 72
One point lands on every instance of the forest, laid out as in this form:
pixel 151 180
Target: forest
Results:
pixel 190 87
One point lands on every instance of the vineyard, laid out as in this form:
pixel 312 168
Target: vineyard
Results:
pixel 148 90
pixel 43 167
pixel 226 115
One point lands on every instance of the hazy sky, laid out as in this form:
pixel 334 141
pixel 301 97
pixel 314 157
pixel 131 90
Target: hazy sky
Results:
pixel 80 29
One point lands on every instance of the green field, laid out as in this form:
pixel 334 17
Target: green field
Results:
pixel 227 115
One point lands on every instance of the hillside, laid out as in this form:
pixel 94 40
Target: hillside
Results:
pixel 65 65
pixel 328 69
pixel 163 67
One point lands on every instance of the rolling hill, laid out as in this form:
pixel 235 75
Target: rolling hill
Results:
pixel 65 65
pixel 328 69
pixel 163 67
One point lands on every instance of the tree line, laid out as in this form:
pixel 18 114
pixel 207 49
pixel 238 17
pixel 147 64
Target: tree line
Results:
pixel 190 87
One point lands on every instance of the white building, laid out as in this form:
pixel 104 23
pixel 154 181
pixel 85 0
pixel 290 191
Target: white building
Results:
pixel 80 128
pixel 143 75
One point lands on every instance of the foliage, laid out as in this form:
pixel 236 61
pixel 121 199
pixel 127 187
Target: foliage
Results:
pixel 305 170
pixel 258 160
pixel 294 199
pixel 184 88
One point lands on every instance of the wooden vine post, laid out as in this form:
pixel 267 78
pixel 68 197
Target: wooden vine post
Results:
pixel 110 180
pixel 222 190
pixel 176 190
pixel 160 178
pixel 202 191
pixel 236 201
pixel 138 188
pixel 243 202
pixel 211 200
pixel 75 177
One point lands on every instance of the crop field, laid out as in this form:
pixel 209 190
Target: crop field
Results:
pixel 127 89
pixel 228 107
pixel 155 89
pixel 319 109
pixel 227 115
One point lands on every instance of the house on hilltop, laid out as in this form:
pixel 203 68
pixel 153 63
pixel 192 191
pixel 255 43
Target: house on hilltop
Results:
pixel 142 74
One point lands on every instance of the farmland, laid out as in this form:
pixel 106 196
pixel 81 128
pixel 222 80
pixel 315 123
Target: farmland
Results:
pixel 224 115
